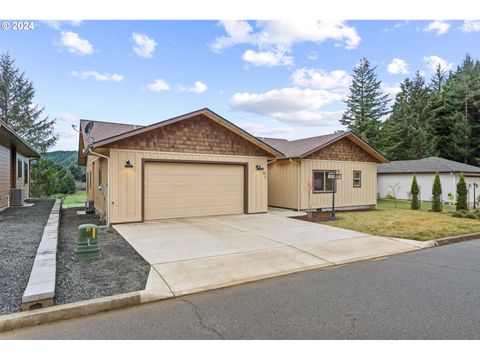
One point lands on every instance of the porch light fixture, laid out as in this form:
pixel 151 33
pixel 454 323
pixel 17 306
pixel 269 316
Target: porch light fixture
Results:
pixel 128 164
pixel 259 167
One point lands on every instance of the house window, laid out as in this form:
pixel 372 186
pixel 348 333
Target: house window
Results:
pixel 321 182
pixel 357 178
pixel 25 171
pixel 19 168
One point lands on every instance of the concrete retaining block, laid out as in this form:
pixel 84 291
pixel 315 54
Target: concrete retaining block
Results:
pixel 41 284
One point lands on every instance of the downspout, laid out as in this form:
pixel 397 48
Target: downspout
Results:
pixel 90 151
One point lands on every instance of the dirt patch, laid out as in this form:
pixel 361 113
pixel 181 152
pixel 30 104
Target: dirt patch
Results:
pixel 320 216
pixel 20 234
pixel 119 269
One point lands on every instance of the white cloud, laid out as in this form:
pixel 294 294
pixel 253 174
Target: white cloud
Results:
pixel 336 80
pixel 278 37
pixel 471 25
pixel 390 89
pixel 158 85
pixel 144 45
pixel 290 105
pixel 68 137
pixel 267 58
pixel 198 88
pixel 264 130
pixel 75 44
pixel 59 24
pixel 398 66
pixel 69 118
pixel 439 26
pixel 433 61
pixel 97 76
pixel 312 55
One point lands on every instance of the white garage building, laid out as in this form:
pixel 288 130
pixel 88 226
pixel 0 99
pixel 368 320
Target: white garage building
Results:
pixel 401 173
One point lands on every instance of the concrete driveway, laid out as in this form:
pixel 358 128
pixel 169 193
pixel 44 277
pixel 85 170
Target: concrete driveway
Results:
pixel 196 254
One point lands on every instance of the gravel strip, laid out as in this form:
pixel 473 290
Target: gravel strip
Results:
pixel 119 269
pixel 20 234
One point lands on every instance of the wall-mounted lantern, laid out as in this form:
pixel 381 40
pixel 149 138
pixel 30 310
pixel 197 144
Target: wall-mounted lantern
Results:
pixel 128 164
pixel 259 167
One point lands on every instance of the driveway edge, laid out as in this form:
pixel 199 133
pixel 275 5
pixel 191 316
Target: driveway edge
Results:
pixel 78 309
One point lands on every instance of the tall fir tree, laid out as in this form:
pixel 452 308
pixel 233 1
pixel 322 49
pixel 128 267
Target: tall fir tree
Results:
pixel 462 96
pixel 462 194
pixel 414 190
pixel 408 132
pixel 366 105
pixel 437 194
pixel 18 110
pixel 441 117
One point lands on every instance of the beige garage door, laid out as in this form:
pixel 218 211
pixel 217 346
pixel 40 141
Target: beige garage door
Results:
pixel 174 190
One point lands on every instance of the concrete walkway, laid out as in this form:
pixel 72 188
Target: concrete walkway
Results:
pixel 196 254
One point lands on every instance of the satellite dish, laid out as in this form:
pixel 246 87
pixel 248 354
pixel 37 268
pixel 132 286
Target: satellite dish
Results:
pixel 89 127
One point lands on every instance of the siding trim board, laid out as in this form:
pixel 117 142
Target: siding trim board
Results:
pixel 169 161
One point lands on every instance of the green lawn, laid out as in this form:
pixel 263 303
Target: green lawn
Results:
pixel 74 200
pixel 405 223
pixel 405 204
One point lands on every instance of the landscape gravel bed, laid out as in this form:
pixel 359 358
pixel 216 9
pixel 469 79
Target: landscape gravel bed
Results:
pixel 20 234
pixel 119 269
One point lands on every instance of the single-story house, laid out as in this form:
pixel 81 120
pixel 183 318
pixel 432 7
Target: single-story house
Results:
pixel 191 165
pixel 15 159
pixel 300 181
pixel 401 173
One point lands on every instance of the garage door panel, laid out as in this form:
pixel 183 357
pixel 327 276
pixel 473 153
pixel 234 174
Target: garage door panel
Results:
pixel 175 190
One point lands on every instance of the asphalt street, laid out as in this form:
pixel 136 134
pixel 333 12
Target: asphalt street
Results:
pixel 427 294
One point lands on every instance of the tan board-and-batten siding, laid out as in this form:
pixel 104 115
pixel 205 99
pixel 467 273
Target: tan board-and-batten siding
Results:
pixel 126 183
pixel 346 195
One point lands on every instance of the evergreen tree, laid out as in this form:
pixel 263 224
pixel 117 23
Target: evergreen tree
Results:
pixel 441 116
pixel 462 96
pixel 462 193
pixel 67 184
pixel 18 110
pixel 414 190
pixel 437 194
pixel 366 104
pixel 408 133
pixel 458 145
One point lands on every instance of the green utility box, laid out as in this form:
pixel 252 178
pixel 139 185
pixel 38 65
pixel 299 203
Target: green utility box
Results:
pixel 87 246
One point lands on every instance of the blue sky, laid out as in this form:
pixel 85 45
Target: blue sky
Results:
pixel 273 78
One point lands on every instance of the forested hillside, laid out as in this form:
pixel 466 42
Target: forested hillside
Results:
pixel 68 160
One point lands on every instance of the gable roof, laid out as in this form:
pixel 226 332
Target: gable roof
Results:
pixel 301 148
pixel 105 133
pixel 427 165
pixel 22 146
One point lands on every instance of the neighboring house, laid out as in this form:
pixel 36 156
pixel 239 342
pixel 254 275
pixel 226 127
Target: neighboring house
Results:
pixel 15 158
pixel 401 173
pixel 299 180
pixel 191 165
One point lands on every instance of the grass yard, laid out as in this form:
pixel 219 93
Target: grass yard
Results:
pixel 405 223
pixel 74 200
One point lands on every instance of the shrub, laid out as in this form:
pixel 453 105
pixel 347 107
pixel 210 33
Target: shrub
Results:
pixel 462 194
pixel 415 204
pixel 437 194
pixel 389 197
pixel 470 216
pixel 457 214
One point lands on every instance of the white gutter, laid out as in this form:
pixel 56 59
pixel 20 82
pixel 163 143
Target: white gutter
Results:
pixel 108 182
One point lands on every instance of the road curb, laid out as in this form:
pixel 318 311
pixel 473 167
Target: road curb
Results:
pixel 456 239
pixel 83 308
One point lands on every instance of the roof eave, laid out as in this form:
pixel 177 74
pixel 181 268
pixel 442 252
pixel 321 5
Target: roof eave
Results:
pixel 274 152
pixel 33 153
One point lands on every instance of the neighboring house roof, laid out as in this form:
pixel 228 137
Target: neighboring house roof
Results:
pixel 427 165
pixel 105 133
pixel 22 146
pixel 303 147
